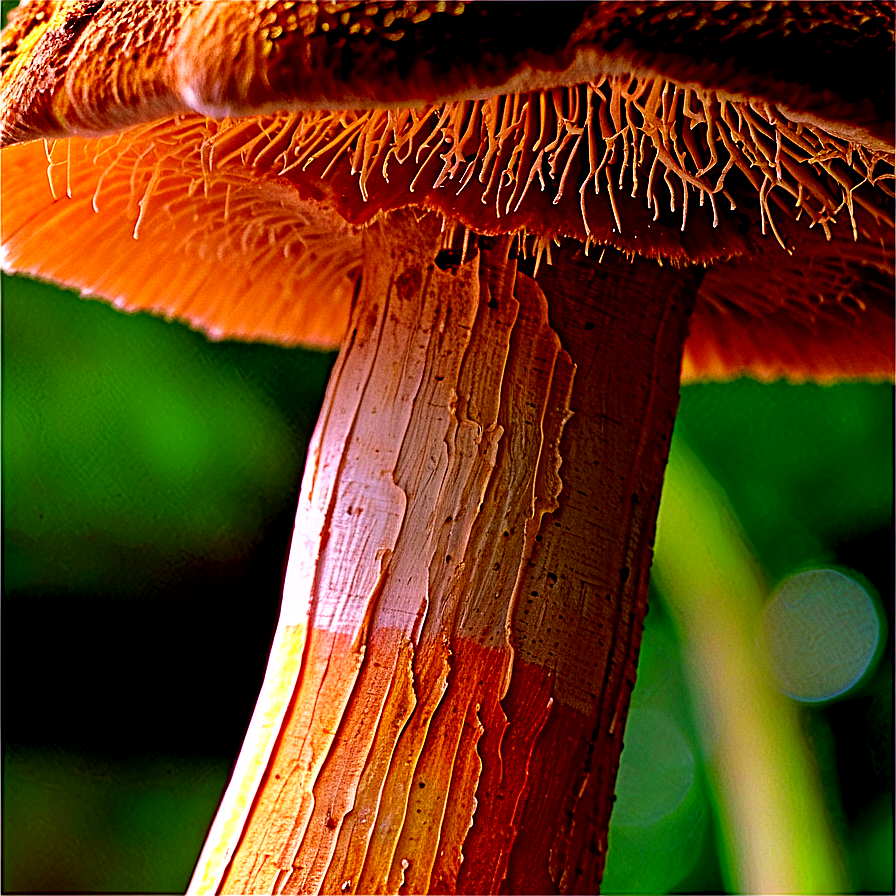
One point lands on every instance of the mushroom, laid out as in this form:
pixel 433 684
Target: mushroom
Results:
pixel 506 215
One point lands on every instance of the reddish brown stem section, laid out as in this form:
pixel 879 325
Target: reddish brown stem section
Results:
pixel 473 546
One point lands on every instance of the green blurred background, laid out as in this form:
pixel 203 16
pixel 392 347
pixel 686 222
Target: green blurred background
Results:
pixel 149 482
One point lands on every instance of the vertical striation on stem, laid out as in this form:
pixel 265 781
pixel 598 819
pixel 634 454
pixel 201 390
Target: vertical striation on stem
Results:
pixel 474 606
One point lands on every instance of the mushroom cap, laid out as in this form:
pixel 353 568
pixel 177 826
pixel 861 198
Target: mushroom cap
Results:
pixel 150 147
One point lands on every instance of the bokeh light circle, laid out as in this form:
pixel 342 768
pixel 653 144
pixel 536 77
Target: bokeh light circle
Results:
pixel 822 631
pixel 660 819
pixel 659 768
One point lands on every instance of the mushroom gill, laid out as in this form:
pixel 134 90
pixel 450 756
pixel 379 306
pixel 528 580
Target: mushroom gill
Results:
pixel 694 176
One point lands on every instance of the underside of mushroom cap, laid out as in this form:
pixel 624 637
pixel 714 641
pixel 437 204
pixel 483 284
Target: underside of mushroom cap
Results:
pixel 799 215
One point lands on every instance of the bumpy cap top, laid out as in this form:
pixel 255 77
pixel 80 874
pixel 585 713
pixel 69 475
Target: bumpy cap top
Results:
pixel 183 140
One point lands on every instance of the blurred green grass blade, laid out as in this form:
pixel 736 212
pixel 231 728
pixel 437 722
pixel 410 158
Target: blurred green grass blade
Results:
pixel 775 830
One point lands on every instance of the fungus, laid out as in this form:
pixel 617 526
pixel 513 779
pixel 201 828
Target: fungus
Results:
pixel 506 215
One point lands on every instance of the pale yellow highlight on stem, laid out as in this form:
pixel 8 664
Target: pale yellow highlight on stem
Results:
pixel 776 832
pixel 282 673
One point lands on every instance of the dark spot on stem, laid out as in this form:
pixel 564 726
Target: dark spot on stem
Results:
pixel 448 258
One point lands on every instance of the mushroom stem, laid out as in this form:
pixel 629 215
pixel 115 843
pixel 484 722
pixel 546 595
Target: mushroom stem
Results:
pixel 463 605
